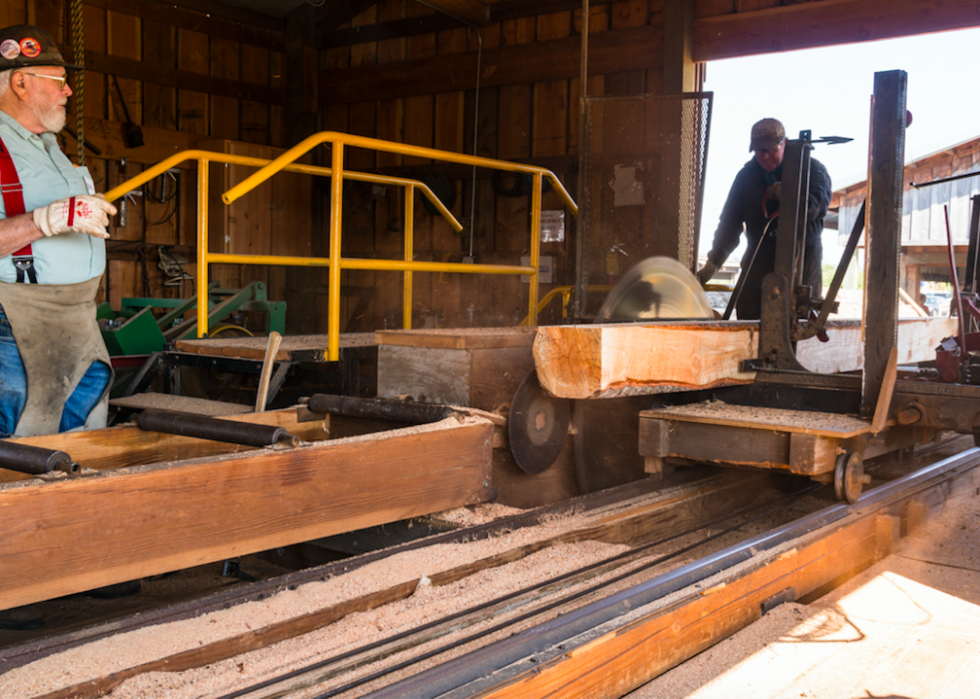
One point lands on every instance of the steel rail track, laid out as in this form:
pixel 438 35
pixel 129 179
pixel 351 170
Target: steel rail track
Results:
pixel 61 640
pixel 328 669
pixel 490 665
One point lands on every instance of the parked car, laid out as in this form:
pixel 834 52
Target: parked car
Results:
pixel 938 304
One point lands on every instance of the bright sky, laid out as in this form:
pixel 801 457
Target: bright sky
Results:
pixel 829 92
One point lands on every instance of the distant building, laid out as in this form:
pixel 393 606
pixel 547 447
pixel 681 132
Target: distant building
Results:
pixel 950 177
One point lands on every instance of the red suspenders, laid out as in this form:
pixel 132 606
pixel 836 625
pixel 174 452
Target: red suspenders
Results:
pixel 13 202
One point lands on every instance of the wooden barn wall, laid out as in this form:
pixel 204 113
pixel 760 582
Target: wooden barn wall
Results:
pixel 521 119
pixel 198 73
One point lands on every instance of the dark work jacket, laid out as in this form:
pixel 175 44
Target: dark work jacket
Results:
pixel 744 210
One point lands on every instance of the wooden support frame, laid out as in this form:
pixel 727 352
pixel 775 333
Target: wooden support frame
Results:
pixel 886 173
pixel 74 535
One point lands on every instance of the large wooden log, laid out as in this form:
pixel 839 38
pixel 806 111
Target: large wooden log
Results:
pixel 606 361
pixel 74 535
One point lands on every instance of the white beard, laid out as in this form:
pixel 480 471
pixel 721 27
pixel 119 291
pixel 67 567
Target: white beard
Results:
pixel 52 119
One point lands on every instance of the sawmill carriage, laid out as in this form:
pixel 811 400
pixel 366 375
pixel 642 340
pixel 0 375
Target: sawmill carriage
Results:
pixel 619 372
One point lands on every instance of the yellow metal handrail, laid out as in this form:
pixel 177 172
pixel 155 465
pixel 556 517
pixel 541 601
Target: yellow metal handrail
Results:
pixel 566 295
pixel 208 156
pixel 336 263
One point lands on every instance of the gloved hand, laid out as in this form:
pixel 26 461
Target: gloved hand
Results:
pixel 707 272
pixel 774 190
pixel 82 213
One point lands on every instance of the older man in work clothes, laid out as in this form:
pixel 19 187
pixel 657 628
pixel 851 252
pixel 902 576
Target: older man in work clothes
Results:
pixel 752 203
pixel 54 367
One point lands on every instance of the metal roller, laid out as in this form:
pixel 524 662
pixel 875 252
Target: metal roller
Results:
pixel 377 408
pixel 35 460
pixel 230 431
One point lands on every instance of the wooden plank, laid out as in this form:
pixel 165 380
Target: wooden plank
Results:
pixel 181 404
pixel 793 421
pixel 646 517
pixel 208 16
pixel 458 338
pixel 190 79
pixel 224 64
pixel 427 375
pixel 592 361
pixel 192 58
pixel 497 373
pixel 83 533
pixel 526 62
pixel 627 657
pixel 305 348
pixel 551 112
pixel 887 391
pixel 13 12
pixel 825 23
pixel 127 445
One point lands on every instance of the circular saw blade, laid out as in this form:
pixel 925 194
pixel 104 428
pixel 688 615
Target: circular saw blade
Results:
pixel 537 426
pixel 656 288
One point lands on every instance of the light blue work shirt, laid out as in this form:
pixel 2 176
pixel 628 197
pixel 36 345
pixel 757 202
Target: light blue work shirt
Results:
pixel 47 176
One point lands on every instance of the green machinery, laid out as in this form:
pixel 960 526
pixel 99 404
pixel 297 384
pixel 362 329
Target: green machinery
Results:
pixel 135 329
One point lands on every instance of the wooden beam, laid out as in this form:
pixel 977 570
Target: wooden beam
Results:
pixel 634 653
pixel 108 136
pixel 605 361
pixel 127 445
pixel 516 9
pixel 383 31
pixel 470 11
pixel 74 535
pixel 679 73
pixel 524 63
pixel 332 15
pixel 653 639
pixel 825 23
pixel 184 79
pixel 886 166
pixel 205 16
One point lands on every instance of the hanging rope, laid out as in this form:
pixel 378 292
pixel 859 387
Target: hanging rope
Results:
pixel 78 50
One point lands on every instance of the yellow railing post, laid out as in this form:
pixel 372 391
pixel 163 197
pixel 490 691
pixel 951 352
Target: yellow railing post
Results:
pixel 409 256
pixel 336 207
pixel 535 249
pixel 202 247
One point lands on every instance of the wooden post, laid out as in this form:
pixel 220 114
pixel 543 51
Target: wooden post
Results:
pixel 679 66
pixel 302 104
pixel 884 219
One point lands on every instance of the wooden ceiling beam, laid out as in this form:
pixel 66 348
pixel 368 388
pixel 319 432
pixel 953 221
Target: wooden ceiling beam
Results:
pixel 333 15
pixel 522 63
pixel 825 23
pixel 472 11
pixel 415 26
pixel 382 31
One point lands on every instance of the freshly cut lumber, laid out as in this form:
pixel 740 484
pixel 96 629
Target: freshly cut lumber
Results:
pixel 78 534
pixel 917 342
pixel 606 361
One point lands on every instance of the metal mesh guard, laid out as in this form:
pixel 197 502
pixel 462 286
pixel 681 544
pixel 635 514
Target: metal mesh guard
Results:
pixel 643 166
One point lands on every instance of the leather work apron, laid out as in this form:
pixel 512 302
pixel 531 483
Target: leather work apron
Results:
pixel 58 338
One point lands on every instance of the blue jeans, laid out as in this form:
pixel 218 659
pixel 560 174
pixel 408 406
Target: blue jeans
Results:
pixel 13 387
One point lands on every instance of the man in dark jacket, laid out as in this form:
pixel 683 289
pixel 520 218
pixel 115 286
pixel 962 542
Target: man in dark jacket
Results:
pixel 752 202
